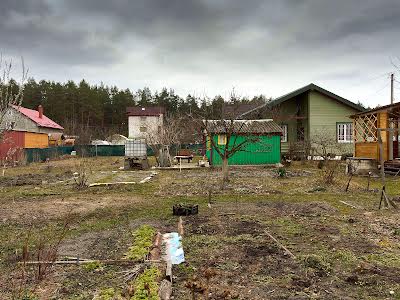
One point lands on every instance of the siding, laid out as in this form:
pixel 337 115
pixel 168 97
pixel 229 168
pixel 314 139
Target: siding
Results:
pixel 36 140
pixel 151 123
pixel 285 113
pixel 11 145
pixel 265 151
pixel 324 114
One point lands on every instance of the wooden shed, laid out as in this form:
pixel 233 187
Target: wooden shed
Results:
pixel 13 142
pixel 263 147
pixel 381 123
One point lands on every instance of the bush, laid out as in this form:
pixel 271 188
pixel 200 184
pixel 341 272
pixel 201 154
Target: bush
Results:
pixel 281 172
pixel 317 263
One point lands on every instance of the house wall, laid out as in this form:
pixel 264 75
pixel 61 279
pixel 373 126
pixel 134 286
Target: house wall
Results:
pixel 136 122
pixel 11 145
pixel 285 114
pixel 266 150
pixel 21 123
pixel 324 114
pixel 36 140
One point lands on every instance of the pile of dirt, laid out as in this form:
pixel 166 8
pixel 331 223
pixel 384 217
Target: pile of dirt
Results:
pixel 33 179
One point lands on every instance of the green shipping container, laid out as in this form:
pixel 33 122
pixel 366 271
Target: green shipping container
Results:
pixel 262 150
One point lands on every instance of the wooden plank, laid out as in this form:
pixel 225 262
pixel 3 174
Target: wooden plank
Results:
pixel 367 150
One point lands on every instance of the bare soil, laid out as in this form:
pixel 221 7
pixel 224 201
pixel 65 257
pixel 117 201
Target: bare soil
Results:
pixel 340 252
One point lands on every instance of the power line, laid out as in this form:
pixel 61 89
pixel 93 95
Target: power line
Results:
pixel 378 91
pixel 372 78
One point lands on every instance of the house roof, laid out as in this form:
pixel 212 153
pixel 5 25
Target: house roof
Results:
pixel 237 110
pixel 389 108
pixel 145 110
pixel 310 87
pixel 34 116
pixel 243 126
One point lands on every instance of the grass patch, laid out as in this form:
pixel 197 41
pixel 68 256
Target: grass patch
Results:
pixel 142 241
pixel 146 285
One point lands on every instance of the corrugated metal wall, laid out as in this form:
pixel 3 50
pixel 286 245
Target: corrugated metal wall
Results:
pixel 36 140
pixel 266 150
pixel 11 145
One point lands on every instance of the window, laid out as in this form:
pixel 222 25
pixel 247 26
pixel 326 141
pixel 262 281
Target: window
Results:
pixel 143 118
pixel 284 133
pixel 143 129
pixel 345 132
pixel 10 125
pixel 222 139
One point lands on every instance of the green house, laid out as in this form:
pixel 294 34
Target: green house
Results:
pixel 309 113
pixel 261 141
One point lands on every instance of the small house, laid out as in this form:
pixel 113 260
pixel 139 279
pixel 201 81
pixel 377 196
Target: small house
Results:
pixel 144 120
pixel 308 113
pixel 26 128
pixel 261 141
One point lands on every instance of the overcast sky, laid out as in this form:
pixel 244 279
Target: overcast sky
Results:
pixel 207 47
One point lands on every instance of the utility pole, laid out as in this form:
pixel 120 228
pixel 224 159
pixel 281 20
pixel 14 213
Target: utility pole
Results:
pixel 391 88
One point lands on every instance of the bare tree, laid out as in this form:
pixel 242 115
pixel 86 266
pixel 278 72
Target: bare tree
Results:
pixel 11 93
pixel 162 138
pixel 229 130
pixel 324 144
pixel 8 94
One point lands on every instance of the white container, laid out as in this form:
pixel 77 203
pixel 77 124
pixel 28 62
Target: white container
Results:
pixel 73 153
pixel 136 148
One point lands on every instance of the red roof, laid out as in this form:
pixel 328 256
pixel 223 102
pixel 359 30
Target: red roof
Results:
pixel 34 116
pixel 145 111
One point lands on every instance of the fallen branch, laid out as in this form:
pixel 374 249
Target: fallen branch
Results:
pixel 226 214
pixel 86 261
pixel 280 245
pixel 111 183
pixel 348 204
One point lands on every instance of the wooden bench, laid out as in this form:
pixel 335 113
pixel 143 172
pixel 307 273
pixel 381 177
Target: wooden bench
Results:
pixel 185 154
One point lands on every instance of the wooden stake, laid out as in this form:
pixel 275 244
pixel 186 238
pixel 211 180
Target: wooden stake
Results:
pixel 180 227
pixel 280 245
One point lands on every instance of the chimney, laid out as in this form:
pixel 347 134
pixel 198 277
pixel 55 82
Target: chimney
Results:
pixel 40 110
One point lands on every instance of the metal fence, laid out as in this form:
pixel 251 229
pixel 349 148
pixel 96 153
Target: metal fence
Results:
pixel 42 154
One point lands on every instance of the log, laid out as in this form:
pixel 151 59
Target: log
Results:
pixel 168 271
pixel 165 290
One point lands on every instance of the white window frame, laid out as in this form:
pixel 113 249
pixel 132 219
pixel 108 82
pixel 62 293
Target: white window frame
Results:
pixel 284 136
pixel 222 139
pixel 344 132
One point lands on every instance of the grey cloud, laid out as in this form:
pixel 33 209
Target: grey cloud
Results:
pixel 216 43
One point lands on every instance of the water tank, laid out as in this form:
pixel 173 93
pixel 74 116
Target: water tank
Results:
pixel 136 148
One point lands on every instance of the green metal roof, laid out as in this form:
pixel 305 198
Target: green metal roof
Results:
pixel 265 126
pixel 307 88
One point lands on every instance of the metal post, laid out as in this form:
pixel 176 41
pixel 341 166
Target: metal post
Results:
pixel 390 143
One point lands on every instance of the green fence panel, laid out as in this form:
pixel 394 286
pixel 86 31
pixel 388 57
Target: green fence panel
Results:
pixel 100 150
pixel 42 154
